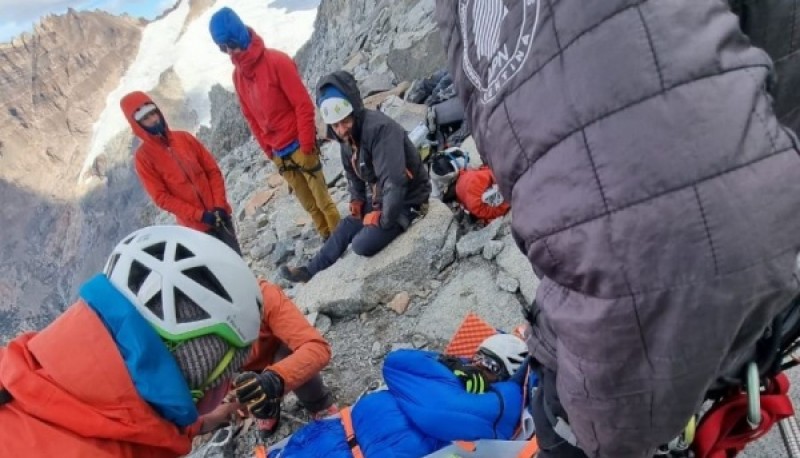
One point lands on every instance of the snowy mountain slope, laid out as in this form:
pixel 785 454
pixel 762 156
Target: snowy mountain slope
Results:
pixel 190 52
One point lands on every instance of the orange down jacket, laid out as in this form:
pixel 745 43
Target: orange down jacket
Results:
pixel 178 173
pixel 73 397
pixel 283 323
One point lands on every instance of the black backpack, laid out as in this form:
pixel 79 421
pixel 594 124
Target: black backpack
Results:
pixel 446 119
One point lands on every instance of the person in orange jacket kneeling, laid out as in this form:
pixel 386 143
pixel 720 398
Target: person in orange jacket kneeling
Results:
pixel 288 356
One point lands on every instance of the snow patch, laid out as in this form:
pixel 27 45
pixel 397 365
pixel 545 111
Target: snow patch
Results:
pixel 195 59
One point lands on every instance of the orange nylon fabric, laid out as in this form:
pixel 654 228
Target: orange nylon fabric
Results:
pixel 470 186
pixel 530 450
pixel 73 397
pixel 282 322
pixel 179 174
pixel 349 432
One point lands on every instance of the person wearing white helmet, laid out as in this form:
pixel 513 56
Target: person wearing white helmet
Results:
pixel 502 354
pixel 430 399
pixel 388 184
pixel 140 363
pixel 445 168
pixel 497 359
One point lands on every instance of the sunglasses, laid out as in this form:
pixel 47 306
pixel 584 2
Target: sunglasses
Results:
pixel 489 363
pixel 230 46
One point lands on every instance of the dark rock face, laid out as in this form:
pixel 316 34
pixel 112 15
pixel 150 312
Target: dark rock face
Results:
pixel 229 129
pixel 54 84
pixel 387 40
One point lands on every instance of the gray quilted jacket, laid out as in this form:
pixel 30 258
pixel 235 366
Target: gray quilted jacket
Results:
pixel 652 189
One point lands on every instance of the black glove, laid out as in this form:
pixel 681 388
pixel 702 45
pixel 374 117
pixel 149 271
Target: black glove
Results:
pixel 222 214
pixel 209 218
pixel 470 376
pixel 261 393
pixel 473 379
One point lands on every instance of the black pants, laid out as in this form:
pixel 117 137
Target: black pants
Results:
pixel 551 444
pixel 366 240
pixel 227 234
pixel 313 394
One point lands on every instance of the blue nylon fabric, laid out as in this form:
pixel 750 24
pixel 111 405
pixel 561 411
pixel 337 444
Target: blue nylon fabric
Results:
pixel 328 92
pixel 154 372
pixel 424 409
pixel 288 149
pixel 443 409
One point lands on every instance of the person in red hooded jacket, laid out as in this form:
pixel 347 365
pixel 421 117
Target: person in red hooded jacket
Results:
pixel 280 113
pixel 178 172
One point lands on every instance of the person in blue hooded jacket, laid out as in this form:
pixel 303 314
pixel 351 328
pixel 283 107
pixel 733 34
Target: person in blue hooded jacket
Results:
pixel 430 400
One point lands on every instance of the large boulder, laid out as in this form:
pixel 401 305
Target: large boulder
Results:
pixel 417 48
pixel 356 284
pixel 407 114
pixel 472 287
pixel 397 39
pixel 376 83
pixel 372 102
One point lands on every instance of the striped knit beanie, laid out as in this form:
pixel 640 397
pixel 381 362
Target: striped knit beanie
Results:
pixel 198 357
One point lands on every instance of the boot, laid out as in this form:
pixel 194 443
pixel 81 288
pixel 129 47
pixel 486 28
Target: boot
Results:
pixel 295 274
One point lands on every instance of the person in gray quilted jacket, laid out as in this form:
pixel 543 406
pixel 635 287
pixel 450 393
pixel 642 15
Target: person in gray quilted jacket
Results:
pixel 653 190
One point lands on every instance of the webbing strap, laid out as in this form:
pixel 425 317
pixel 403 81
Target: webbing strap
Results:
pixel 260 451
pixel 530 450
pixel 289 165
pixel 349 432
pixel 724 430
pixel 560 426
pixel 466 445
pixel 5 396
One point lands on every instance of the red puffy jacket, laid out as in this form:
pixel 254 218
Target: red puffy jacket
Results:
pixel 179 174
pixel 470 186
pixel 273 98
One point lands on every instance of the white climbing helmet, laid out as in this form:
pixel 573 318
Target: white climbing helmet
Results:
pixel 155 266
pixel 334 109
pixel 509 349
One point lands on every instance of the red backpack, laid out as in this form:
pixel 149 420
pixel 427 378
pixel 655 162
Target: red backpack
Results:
pixel 477 194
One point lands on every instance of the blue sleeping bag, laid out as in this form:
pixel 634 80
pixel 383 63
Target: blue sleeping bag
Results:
pixel 424 409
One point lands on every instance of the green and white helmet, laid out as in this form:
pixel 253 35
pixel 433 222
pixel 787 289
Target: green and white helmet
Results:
pixel 156 266
pixel 334 109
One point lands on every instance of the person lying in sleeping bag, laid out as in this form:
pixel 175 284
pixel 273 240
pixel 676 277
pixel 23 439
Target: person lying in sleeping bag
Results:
pixel 430 400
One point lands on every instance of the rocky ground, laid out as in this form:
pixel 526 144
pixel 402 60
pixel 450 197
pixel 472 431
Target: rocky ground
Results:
pixel 413 294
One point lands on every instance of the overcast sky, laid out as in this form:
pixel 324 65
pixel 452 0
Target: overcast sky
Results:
pixel 19 15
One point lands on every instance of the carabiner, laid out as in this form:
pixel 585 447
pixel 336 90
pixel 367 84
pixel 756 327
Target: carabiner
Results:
pixel 753 396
